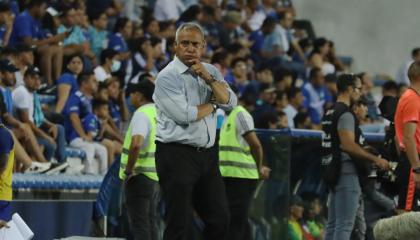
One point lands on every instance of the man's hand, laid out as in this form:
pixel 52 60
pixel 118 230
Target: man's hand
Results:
pixel 382 164
pixel 198 68
pixel 3 224
pixel 264 172
pixel 53 131
pixel 417 180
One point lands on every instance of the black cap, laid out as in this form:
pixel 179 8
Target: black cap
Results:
pixel 146 88
pixel 7 66
pixel 32 70
pixel 296 200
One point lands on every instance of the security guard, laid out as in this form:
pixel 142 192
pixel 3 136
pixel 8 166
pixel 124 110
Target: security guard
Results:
pixel 240 159
pixel 138 164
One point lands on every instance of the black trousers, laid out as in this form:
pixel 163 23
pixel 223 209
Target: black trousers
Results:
pixel 190 179
pixel 239 193
pixel 141 197
pixel 408 195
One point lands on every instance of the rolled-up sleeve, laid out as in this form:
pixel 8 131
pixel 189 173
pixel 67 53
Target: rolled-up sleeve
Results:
pixel 233 100
pixel 170 98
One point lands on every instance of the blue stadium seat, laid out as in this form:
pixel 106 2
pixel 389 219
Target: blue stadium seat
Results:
pixel 62 181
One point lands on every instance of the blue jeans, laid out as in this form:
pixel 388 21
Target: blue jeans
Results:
pixel 59 149
pixel 342 207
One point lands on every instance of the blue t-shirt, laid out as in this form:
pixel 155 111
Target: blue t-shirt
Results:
pixel 76 37
pixel 315 99
pixel 8 100
pixel 258 38
pixel 82 106
pixel 98 40
pixel 68 78
pixel 92 124
pixel 6 140
pixel 114 109
pixel 118 43
pixel 26 26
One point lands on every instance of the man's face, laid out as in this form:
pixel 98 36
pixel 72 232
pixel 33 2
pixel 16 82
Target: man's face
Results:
pixel 102 21
pixel 190 46
pixel 114 89
pixel 298 99
pixel 92 84
pixel 240 69
pixel 32 82
pixel 318 79
pixel 9 79
pixel 287 21
pixel 75 65
pixel 40 11
pixel 360 111
pixel 71 17
pixel 356 91
pixel 153 28
pixel 103 111
pixel 127 30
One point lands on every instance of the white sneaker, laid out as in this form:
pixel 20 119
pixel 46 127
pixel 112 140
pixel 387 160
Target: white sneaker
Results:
pixel 56 168
pixel 37 167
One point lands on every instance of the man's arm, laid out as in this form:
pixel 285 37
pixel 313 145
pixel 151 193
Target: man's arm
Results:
pixel 24 116
pixel 133 152
pixel 77 125
pixel 171 99
pixel 409 131
pixel 256 147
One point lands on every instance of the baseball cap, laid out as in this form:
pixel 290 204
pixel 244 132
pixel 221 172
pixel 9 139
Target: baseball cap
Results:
pixel 32 70
pixel 145 87
pixel 7 65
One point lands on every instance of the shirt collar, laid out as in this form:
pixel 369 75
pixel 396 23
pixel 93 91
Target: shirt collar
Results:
pixel 179 66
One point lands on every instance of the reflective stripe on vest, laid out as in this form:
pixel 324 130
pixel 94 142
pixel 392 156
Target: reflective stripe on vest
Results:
pixel 145 163
pixel 235 160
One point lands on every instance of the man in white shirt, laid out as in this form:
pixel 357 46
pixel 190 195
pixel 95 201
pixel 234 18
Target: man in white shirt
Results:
pixel 296 98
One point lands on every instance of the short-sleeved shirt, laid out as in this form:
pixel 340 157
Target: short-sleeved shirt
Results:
pixel 98 40
pixel 114 110
pixel 244 124
pixel 100 74
pixel 118 43
pixel 278 38
pixel 408 110
pixel 7 99
pixel 315 99
pixel 141 125
pixel 24 100
pixel 81 105
pixel 69 79
pixel 347 122
pixel 76 37
pixel 26 26
pixel 92 124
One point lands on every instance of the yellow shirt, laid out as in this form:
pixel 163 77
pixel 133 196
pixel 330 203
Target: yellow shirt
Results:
pixel 6 176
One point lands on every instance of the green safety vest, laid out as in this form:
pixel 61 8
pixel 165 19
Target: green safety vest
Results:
pixel 145 163
pixel 235 160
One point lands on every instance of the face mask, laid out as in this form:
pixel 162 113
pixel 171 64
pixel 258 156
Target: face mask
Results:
pixel 116 65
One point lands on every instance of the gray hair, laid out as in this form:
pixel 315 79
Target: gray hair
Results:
pixel 405 226
pixel 189 26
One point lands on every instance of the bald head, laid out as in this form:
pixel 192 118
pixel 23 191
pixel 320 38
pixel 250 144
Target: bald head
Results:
pixel 414 72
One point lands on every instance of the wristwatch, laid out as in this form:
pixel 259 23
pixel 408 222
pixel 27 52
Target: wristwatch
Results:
pixel 215 107
pixel 416 170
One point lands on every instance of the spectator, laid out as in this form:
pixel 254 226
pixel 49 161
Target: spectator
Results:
pixel 117 106
pixel 283 79
pixel 27 29
pixel 317 97
pixel 311 219
pixel 50 136
pixel 192 14
pixel 333 59
pixel 141 61
pixel 258 36
pixel 277 45
pixel 318 57
pixel 295 99
pixel 221 61
pixel 281 101
pixel 266 101
pixel 24 58
pixel 367 96
pixel 75 42
pixel 229 30
pixel 268 7
pixel 22 131
pixel 238 75
pixel 255 16
pixel 123 31
pixel 390 88
pixel 67 83
pixel 331 85
pixel 96 125
pixel 97 32
pixel 109 64
pixel 282 121
pixel 6 24
pixel 51 21
pixel 77 108
pixel 168 10
pixel 402 76
pixel 209 23
pixel 295 230
pixel 302 121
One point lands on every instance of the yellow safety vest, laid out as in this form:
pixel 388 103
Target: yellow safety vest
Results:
pixel 145 163
pixel 235 160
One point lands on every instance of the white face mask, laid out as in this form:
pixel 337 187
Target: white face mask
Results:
pixel 116 65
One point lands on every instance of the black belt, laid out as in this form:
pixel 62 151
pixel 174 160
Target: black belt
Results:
pixel 185 146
